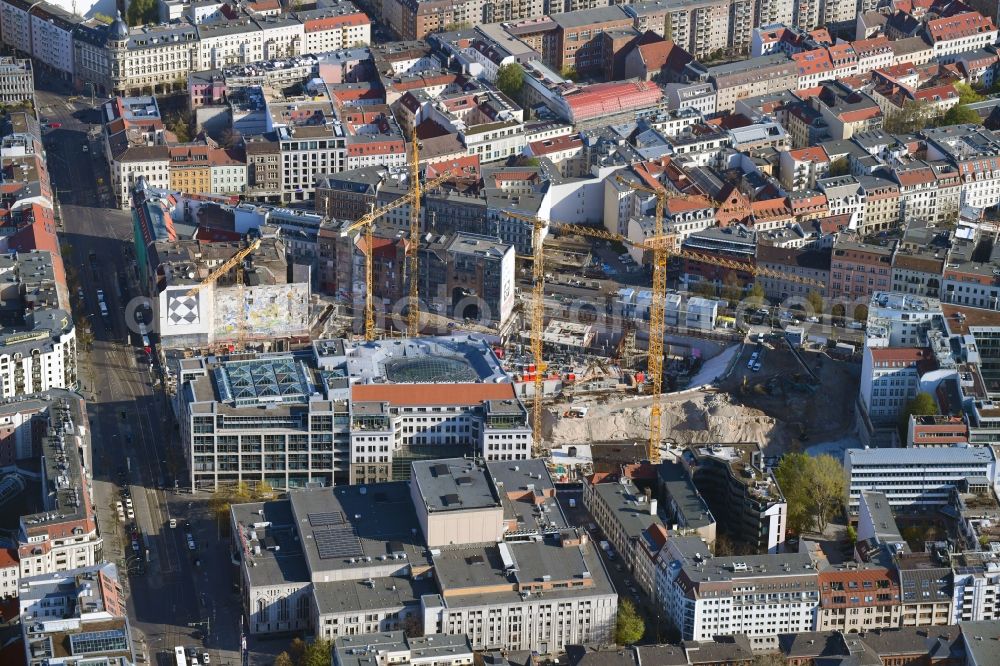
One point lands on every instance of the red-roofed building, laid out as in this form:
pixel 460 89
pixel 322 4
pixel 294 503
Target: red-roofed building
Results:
pixel 936 430
pixel 873 53
pixel 566 152
pixel 662 60
pixel 9 567
pixel 968 31
pixel 334 27
pixel 801 168
pixel 814 67
pixel 602 103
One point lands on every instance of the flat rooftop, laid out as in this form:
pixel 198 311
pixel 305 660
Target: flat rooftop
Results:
pixel 453 484
pixel 372 528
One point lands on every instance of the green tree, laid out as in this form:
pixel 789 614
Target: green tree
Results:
pixel 283 660
pixel 316 654
pixel 829 487
pixel 757 292
pixel 668 28
pixel 296 649
pixel 815 300
pixel 966 93
pixel 103 18
pixel 961 115
pixel 913 116
pixel 630 626
pixel 852 535
pixel 861 313
pixel 179 125
pixel 141 12
pixel 792 475
pixel 568 73
pixel 510 80
pixel 921 404
pixel 840 166
pixel 704 288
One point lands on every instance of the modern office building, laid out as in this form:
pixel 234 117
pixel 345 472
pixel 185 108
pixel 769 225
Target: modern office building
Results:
pixel 919 476
pixel 346 412
pixel 742 495
pixel 38 339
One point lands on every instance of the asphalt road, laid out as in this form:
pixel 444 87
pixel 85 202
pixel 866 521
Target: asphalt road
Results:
pixel 173 601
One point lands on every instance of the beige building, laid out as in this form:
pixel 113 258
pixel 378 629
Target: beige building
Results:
pixel 762 75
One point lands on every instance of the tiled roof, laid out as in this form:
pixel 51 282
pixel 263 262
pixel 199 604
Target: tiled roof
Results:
pixel 431 394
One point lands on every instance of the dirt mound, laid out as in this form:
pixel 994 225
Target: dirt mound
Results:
pixel 696 419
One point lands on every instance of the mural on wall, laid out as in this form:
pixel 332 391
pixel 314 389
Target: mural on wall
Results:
pixel 273 311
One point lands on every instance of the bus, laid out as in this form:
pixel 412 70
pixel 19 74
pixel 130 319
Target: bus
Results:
pixel 180 656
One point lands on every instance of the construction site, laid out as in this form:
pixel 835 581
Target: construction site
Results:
pixel 596 360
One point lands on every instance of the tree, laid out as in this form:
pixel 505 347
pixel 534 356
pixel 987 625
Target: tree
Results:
pixel 829 487
pixel 568 73
pixel 283 660
pixel 814 488
pixel 757 292
pixel 840 166
pixel 732 289
pixel 141 12
pixel 961 115
pixel 413 625
pixel 861 313
pixel 815 300
pixel 704 288
pixel 510 80
pixel 180 126
pixel 922 403
pixel 316 654
pixel 966 93
pixel 668 28
pixel 792 475
pixel 103 18
pixel 914 115
pixel 296 649
pixel 852 535
pixel 630 626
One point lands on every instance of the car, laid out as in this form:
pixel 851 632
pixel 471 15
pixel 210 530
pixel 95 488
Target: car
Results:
pixel 205 658
pixel 754 356
pixel 812 320
pixel 187 527
pixel 55 125
pixel 173 523
pixel 191 544
pixel 86 148
pixel 130 513
pixel 756 367
pixel 135 545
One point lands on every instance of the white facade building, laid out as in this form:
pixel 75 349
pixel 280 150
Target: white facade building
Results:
pixel 919 476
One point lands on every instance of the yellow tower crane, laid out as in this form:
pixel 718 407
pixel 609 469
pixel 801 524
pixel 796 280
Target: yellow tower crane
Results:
pixel 220 270
pixel 366 222
pixel 661 245
pixel 413 249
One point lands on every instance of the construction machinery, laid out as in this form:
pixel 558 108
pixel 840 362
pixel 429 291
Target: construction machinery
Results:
pixel 366 222
pixel 661 245
pixel 224 267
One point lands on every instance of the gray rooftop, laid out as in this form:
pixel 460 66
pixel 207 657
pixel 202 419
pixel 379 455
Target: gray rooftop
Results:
pixel 351 596
pixel 691 508
pixel 453 484
pixel 371 530
pixel 628 507
pixel 937 455
pixel 584 17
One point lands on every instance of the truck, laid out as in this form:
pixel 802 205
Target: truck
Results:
pixel 180 656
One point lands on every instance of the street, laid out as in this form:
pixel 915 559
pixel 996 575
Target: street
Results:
pixel 177 596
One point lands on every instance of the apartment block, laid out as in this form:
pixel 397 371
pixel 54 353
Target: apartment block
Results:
pixel 857 270
pixel 856 597
pixel 760 596
pixel 77 617
pixel 748 78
